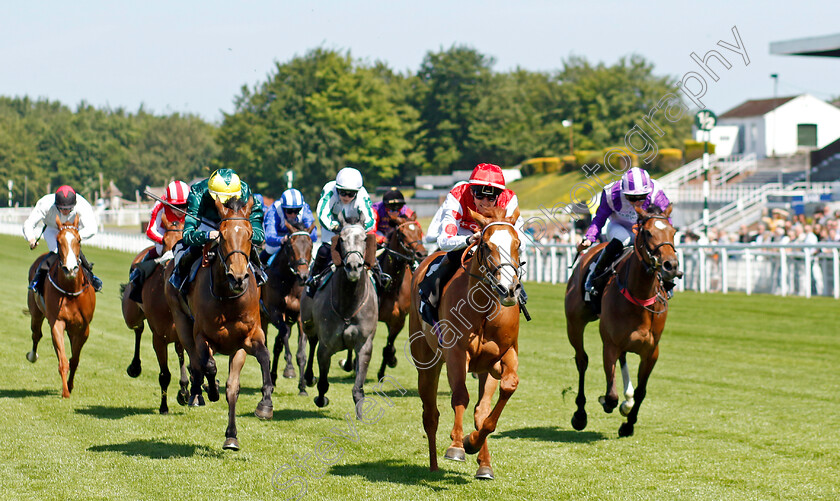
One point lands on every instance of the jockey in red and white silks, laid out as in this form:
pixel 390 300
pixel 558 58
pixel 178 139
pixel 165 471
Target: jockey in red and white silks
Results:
pixel 617 205
pixel 176 194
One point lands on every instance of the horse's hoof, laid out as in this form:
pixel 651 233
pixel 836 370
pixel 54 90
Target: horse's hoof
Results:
pixel 469 447
pixel 197 401
pixel 484 473
pixel 182 397
pixel 264 411
pixel 322 401
pixel 212 391
pixel 345 365
pixel 310 382
pixel 32 356
pixel 455 454
pixel 608 405
pixel 626 407
pixel 392 363
pixel 289 373
pixel 231 444
pixel 303 393
pixel 625 430
pixel 579 420
pixel 134 370
pixel 163 412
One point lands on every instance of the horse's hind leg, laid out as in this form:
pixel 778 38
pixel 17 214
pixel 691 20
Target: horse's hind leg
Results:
pixel 265 409
pixel 645 368
pixel 289 371
pixel 58 345
pixel 429 364
pixel 301 358
pixel 610 399
pixel 625 406
pixel 389 353
pixel 134 369
pixel 456 371
pixel 235 363
pixel 183 392
pixel 207 364
pixel 346 364
pixel 164 376
pixel 78 338
pixel 36 322
pixel 277 351
pixel 574 329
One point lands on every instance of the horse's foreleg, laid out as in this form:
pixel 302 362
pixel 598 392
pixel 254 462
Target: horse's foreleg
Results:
pixel 324 370
pixel 427 387
pixel 575 334
pixel 183 393
pixel 301 358
pixel 487 388
pixel 456 371
pixel 389 352
pixel 207 364
pixel 164 376
pixel 477 440
pixel 235 363
pixel 278 348
pixel 645 368
pixel 57 329
pixel 289 371
pixel 625 406
pixel 265 409
pixel 36 321
pixel 610 399
pixel 364 349
pixel 78 338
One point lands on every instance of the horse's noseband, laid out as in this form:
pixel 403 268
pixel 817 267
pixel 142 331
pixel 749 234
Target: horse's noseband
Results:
pixel 235 251
pixel 653 263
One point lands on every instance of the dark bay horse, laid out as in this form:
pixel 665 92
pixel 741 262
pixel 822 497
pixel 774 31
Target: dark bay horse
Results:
pixel 281 298
pixel 343 313
pixel 225 300
pixel 478 332
pixel 67 304
pixel 155 311
pixel 633 312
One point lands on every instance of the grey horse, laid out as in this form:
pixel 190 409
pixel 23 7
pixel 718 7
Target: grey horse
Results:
pixel 343 313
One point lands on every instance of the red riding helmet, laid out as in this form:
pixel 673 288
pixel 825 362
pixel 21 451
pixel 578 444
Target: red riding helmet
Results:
pixel 488 175
pixel 176 193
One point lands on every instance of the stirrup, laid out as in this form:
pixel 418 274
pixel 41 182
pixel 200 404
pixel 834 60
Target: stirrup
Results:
pixel 95 282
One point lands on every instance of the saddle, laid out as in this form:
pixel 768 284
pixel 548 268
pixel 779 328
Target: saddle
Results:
pixel 594 303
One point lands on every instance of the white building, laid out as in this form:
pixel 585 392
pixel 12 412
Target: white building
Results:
pixel 775 127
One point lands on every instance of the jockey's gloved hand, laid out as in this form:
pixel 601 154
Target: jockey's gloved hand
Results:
pixel 212 235
pixel 334 226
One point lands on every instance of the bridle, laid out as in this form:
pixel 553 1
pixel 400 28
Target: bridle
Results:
pixel 295 264
pixel 650 258
pixel 61 263
pixel 494 268
pixel 235 251
pixel 407 245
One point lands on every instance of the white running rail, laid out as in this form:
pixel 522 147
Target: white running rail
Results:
pixel 113 241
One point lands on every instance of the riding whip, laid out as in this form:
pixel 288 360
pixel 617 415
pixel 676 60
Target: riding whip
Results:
pixel 173 207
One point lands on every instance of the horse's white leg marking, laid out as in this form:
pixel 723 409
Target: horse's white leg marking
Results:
pixel 628 385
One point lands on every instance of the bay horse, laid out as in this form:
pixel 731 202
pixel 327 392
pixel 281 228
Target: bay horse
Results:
pixel 281 297
pixel 401 254
pixel 225 300
pixel 68 303
pixel 634 308
pixel 154 310
pixel 478 332
pixel 343 312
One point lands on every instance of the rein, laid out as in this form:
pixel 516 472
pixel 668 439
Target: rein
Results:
pixel 332 303
pixel 287 248
pixel 64 292
pixel 654 265
pixel 477 244
pixel 225 258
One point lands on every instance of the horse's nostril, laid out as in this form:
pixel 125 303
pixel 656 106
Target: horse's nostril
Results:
pixel 667 266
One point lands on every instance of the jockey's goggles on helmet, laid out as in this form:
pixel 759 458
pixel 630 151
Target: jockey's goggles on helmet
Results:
pixel 480 192
pixel 292 210
pixel 635 198
pixel 347 193
pixel 394 206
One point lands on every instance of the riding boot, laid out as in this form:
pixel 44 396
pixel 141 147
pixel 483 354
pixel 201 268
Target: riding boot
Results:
pixel 319 265
pixel 431 286
pixel 383 280
pixel 256 264
pixel 95 282
pixel 183 263
pixel 37 284
pixel 595 280
pixel 264 257
pixel 138 276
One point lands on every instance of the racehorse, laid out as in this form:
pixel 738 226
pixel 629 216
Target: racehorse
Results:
pixel 155 311
pixel 281 297
pixel 400 256
pixel 343 312
pixel 67 304
pixel 225 300
pixel 478 332
pixel 633 312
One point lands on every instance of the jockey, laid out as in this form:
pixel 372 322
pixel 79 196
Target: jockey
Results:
pixel 485 189
pixel 618 204
pixel 392 206
pixel 65 204
pixel 175 195
pixel 222 185
pixel 292 208
pixel 344 195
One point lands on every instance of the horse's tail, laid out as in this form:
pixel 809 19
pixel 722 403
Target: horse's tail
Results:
pixel 26 311
pixel 122 290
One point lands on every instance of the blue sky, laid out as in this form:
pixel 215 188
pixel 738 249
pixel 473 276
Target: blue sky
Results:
pixel 195 56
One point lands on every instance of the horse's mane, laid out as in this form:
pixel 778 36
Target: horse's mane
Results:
pixel 298 225
pixel 496 213
pixel 235 204
pixel 654 210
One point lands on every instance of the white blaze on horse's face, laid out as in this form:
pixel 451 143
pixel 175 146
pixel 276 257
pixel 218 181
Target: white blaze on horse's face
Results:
pixel 71 262
pixel 503 241
pixel 353 249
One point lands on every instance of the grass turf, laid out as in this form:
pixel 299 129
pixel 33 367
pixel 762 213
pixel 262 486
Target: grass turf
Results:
pixel 741 405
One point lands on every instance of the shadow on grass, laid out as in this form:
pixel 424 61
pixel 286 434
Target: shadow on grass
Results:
pixel 400 472
pixel 23 393
pixel 155 449
pixel 105 412
pixel 286 414
pixel 554 434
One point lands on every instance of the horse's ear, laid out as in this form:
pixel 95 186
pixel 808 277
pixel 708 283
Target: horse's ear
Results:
pixel 668 210
pixel 220 208
pixel 514 217
pixel 641 212
pixel 341 220
pixel 164 220
pixel 76 221
pixel 478 218
pixel 249 205
pixel 413 216
pixel 57 222
pixel 309 230
pixel 289 226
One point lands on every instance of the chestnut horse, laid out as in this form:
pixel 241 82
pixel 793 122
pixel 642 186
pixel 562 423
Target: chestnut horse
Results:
pixel 633 312
pixel 225 300
pixel 67 304
pixel 478 332
pixel 281 298
pixel 155 311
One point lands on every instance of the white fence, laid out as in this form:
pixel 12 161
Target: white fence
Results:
pixel 102 240
pixel 780 269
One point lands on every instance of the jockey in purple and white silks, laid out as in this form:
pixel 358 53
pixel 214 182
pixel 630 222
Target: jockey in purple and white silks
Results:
pixel 618 208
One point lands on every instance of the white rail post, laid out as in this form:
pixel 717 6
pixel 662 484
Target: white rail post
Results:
pixel 701 260
pixel 681 257
pixel 538 264
pixel 783 282
pixel 554 259
pixel 835 254
pixel 724 262
pixel 808 276
pixel 748 259
pixel 569 269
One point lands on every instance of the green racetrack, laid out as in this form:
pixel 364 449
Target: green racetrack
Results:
pixel 743 404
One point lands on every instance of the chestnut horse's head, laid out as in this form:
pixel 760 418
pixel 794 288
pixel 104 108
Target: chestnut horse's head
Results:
pixel 655 242
pixel 407 238
pixel 299 247
pixel 69 246
pixel 235 241
pixel 173 231
pixel 498 252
